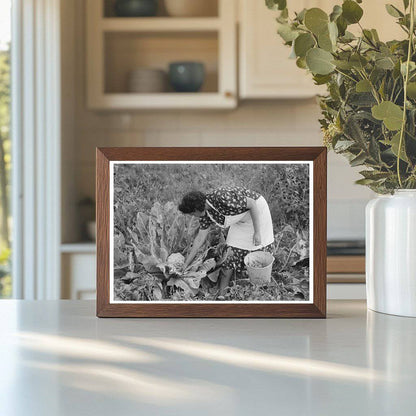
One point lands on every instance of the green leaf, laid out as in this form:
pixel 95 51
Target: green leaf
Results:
pixel 394 145
pixel 325 42
pixel 301 63
pixel 368 36
pixel 374 150
pixel 303 43
pixel 353 130
pixel 336 12
pixel 284 14
pixel 342 25
pixel 286 32
pixel 343 65
pixel 333 33
pixel 316 20
pixel 301 15
pixel 276 4
pixel 393 11
pixel 321 79
pixel 412 67
pixel 358 61
pixel 358 160
pixel 396 71
pixel 364 181
pixel 319 61
pixel 351 11
pixel 381 89
pixel 375 175
pixel 391 114
pixel 411 90
pixel 343 145
pixel 363 86
pixel 385 63
pixel 347 37
pixel 406 4
pixel 361 99
pixel 375 35
pixel 377 75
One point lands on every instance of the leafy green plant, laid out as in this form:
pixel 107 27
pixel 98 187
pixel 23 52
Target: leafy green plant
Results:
pixel 369 113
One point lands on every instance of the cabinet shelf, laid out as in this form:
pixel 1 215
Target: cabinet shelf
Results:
pixel 117 46
pixel 198 100
pixel 159 24
pixel 80 247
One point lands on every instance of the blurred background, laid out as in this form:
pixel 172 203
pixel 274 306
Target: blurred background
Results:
pixel 99 73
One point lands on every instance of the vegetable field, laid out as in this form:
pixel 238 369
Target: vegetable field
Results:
pixel 152 238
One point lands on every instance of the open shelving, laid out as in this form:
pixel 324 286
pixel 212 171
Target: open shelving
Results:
pixel 118 45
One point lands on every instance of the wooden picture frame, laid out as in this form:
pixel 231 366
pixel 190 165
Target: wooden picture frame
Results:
pixel 315 308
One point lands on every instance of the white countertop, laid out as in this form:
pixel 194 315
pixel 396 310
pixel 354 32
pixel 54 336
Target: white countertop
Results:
pixel 57 359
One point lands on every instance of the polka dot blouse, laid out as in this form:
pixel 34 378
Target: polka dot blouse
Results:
pixel 226 201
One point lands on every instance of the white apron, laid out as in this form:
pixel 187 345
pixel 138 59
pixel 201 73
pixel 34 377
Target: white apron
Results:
pixel 241 232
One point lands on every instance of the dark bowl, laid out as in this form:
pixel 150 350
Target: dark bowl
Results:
pixel 186 76
pixel 136 8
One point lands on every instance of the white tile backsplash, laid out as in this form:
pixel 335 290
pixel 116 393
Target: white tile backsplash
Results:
pixel 271 123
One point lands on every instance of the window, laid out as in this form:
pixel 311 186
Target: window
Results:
pixel 5 144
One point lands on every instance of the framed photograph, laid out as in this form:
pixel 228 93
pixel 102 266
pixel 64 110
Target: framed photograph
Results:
pixel 211 232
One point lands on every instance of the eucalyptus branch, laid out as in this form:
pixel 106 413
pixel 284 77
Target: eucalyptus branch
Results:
pixel 373 89
pixel 405 81
pixel 385 120
pixel 369 41
pixel 392 90
pixel 345 75
pixel 403 28
pixel 398 95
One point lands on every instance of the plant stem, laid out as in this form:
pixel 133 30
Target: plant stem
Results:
pixel 406 80
pixel 373 89
pixel 367 38
pixel 345 75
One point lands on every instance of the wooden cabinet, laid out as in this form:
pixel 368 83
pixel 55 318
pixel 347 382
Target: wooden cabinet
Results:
pixel 265 70
pixel 346 269
pixel 78 271
pixel 118 45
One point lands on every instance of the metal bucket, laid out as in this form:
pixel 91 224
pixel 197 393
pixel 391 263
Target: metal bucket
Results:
pixel 259 267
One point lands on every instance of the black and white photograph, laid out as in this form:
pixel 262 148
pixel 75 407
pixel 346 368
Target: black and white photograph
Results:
pixel 211 232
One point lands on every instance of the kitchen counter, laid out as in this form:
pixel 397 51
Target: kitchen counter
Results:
pixel 58 359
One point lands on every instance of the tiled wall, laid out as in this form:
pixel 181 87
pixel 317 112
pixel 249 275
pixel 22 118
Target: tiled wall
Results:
pixel 265 123
pixel 288 123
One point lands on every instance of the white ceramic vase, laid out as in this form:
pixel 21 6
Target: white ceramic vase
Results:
pixel 391 253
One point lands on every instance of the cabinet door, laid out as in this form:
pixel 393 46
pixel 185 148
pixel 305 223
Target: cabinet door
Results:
pixel 78 276
pixel 376 17
pixel 265 68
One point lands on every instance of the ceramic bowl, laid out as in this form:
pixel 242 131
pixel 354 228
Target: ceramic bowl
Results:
pixel 186 76
pixel 135 8
pixel 147 80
